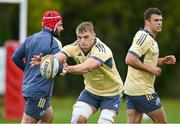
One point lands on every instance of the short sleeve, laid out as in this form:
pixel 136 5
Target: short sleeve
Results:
pixel 68 50
pixel 101 53
pixel 140 44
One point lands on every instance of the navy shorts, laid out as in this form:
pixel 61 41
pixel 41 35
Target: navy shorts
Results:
pixel 144 103
pixel 36 108
pixel 102 102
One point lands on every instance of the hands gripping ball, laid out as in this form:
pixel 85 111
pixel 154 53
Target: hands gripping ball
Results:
pixel 49 66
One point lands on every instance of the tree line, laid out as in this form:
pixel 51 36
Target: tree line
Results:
pixel 115 22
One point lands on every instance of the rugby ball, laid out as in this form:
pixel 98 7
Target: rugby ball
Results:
pixel 49 67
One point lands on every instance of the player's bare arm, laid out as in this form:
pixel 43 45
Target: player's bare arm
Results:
pixel 85 67
pixel 170 59
pixel 60 57
pixel 134 62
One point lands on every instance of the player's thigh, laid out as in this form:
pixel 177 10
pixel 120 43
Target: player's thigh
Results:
pixel 149 103
pixel 48 117
pixel 134 116
pixel 158 115
pixel 89 98
pixel 27 119
pixel 86 105
pixel 109 106
pixel 107 116
pixel 81 112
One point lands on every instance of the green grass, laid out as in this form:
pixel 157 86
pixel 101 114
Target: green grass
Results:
pixel 63 108
pixel 63 112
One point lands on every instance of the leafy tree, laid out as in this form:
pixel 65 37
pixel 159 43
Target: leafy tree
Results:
pixel 9 22
pixel 115 22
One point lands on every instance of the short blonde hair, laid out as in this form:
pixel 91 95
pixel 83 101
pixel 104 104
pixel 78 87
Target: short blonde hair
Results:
pixel 84 27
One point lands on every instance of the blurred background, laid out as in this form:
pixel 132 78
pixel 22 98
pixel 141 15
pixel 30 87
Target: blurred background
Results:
pixel 115 22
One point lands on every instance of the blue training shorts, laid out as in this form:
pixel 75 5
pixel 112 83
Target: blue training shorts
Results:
pixel 36 108
pixel 144 103
pixel 102 102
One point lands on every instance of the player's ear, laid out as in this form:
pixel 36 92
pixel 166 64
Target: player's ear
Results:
pixel 146 22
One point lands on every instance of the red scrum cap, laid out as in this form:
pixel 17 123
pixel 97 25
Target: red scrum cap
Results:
pixel 50 19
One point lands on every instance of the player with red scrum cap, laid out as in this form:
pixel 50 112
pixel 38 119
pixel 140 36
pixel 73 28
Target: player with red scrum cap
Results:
pixel 36 90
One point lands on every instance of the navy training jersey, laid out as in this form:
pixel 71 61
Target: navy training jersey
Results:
pixel 34 85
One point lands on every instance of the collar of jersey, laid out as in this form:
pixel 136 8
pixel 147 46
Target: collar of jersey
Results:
pixel 142 29
pixel 46 30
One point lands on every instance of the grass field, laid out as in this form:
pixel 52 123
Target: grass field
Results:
pixel 63 107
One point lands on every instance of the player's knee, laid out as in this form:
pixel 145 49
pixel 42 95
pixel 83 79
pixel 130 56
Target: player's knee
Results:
pixel 159 120
pixel 106 117
pixel 81 112
pixel 78 119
